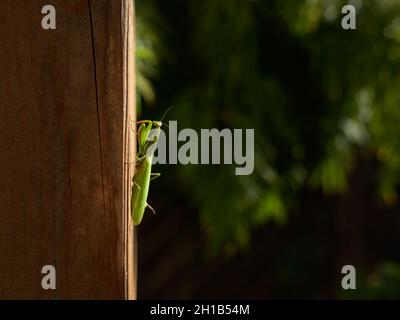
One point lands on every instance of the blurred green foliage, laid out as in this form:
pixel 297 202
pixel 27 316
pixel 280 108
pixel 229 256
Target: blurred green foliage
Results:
pixel 317 96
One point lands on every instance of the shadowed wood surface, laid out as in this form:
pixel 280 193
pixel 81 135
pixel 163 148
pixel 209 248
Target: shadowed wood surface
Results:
pixel 64 141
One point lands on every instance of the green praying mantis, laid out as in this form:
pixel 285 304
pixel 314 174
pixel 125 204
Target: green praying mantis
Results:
pixel 143 175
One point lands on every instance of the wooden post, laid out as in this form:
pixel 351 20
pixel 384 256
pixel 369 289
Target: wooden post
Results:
pixel 66 149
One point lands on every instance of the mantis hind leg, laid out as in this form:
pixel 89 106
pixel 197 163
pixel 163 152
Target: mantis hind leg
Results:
pixel 151 208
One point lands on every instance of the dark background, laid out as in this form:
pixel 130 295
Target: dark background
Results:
pixel 324 103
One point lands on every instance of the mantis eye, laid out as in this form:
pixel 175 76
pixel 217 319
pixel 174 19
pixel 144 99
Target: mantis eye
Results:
pixel 157 124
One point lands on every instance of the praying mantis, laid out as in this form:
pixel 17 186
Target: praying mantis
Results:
pixel 143 175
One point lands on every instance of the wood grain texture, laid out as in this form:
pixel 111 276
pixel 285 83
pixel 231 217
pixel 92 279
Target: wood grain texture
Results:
pixel 64 145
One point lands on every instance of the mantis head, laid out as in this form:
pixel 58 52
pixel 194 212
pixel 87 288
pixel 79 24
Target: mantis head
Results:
pixel 157 124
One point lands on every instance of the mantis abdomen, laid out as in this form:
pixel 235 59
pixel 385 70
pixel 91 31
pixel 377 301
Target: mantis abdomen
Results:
pixel 140 189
